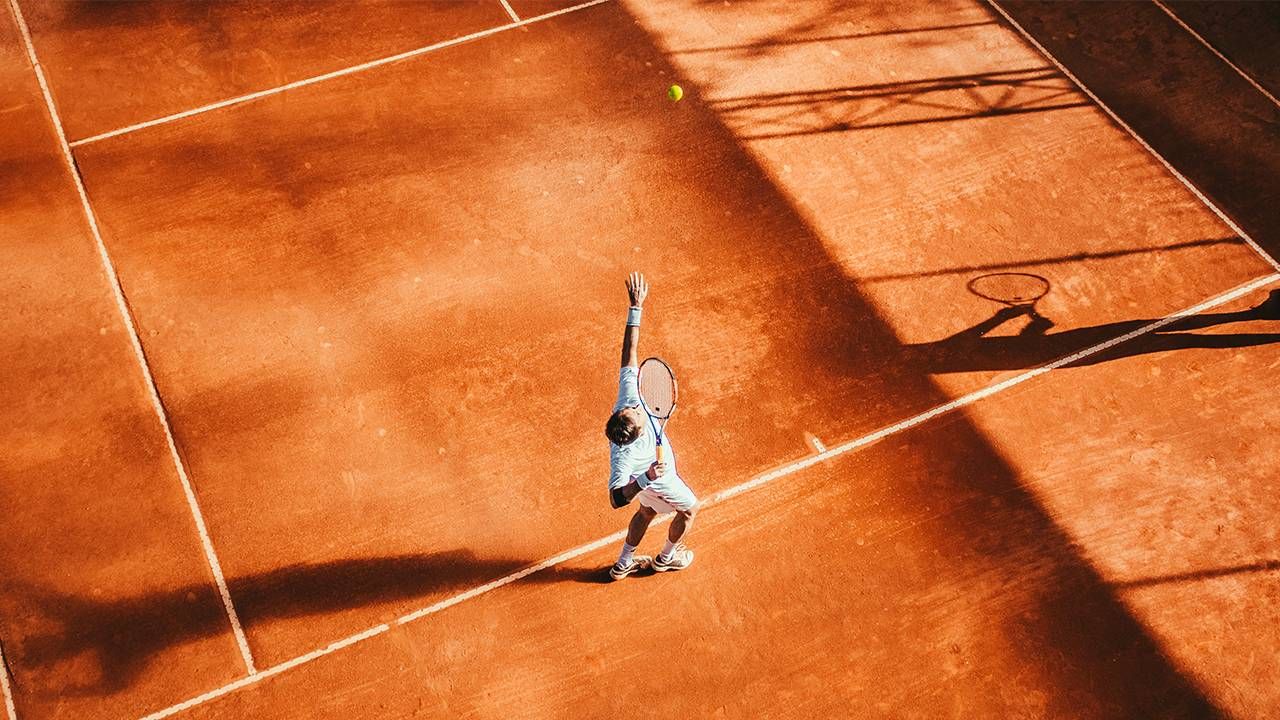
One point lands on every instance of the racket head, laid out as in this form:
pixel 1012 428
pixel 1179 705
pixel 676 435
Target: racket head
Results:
pixel 1009 288
pixel 658 388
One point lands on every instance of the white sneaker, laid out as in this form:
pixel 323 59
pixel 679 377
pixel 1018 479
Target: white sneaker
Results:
pixel 636 564
pixel 681 558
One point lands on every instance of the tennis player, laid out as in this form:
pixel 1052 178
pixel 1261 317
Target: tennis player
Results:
pixel 635 473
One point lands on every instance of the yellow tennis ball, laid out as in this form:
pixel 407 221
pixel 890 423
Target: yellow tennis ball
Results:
pixel 675 92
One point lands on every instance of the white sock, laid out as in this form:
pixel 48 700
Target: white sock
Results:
pixel 627 552
pixel 667 549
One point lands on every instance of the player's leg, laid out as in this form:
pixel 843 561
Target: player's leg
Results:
pixel 674 555
pixel 680 526
pixel 628 561
pixel 639 524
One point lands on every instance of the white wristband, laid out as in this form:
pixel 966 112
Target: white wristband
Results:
pixel 633 317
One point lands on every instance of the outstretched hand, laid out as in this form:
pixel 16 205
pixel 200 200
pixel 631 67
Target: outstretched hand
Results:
pixel 637 289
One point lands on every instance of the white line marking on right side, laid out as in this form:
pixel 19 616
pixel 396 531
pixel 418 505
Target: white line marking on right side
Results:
pixel 723 495
pixel 1214 50
pixel 122 305
pixel 1125 126
pixel 5 689
pixel 991 390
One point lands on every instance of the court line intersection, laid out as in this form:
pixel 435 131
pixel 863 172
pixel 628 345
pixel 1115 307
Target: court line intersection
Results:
pixel 122 305
pixel 239 99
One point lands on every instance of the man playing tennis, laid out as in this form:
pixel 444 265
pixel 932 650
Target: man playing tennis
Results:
pixel 635 472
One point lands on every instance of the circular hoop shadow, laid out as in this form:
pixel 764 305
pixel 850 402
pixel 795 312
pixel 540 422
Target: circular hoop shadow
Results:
pixel 1010 288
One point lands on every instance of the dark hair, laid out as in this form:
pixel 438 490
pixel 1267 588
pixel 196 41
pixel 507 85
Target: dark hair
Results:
pixel 620 429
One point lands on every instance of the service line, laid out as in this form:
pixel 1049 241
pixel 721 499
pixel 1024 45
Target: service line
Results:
pixel 330 75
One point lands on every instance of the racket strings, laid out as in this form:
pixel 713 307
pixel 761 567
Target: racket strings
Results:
pixel 657 389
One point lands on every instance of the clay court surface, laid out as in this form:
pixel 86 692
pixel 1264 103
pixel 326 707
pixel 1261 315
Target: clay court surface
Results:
pixel 305 384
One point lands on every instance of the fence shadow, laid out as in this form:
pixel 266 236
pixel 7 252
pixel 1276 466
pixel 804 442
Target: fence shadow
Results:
pixel 912 102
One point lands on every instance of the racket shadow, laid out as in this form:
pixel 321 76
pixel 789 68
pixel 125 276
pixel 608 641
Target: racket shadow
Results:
pixel 1038 343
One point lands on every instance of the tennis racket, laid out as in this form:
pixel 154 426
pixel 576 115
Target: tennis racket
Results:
pixel 658 396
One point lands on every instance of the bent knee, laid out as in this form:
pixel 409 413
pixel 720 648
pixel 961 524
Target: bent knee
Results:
pixel 646 511
pixel 689 513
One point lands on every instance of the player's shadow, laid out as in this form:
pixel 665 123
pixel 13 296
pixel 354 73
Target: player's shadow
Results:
pixel 106 644
pixel 972 349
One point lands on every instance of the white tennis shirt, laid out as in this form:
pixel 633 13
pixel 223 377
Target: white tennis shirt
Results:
pixel 634 459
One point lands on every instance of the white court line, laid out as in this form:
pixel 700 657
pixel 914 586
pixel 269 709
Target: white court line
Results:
pixel 123 306
pixel 274 670
pixel 512 13
pixel 723 495
pixel 1214 50
pixel 330 75
pixel 5 689
pixel 1116 118
pixel 992 389
pixel 384 627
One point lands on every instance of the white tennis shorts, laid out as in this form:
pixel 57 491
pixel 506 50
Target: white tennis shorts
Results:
pixel 667 494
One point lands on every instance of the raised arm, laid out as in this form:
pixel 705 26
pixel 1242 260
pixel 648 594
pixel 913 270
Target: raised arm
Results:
pixel 637 290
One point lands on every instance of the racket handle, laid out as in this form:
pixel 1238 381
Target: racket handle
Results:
pixel 662 453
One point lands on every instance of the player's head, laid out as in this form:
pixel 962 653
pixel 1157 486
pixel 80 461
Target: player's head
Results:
pixel 624 425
